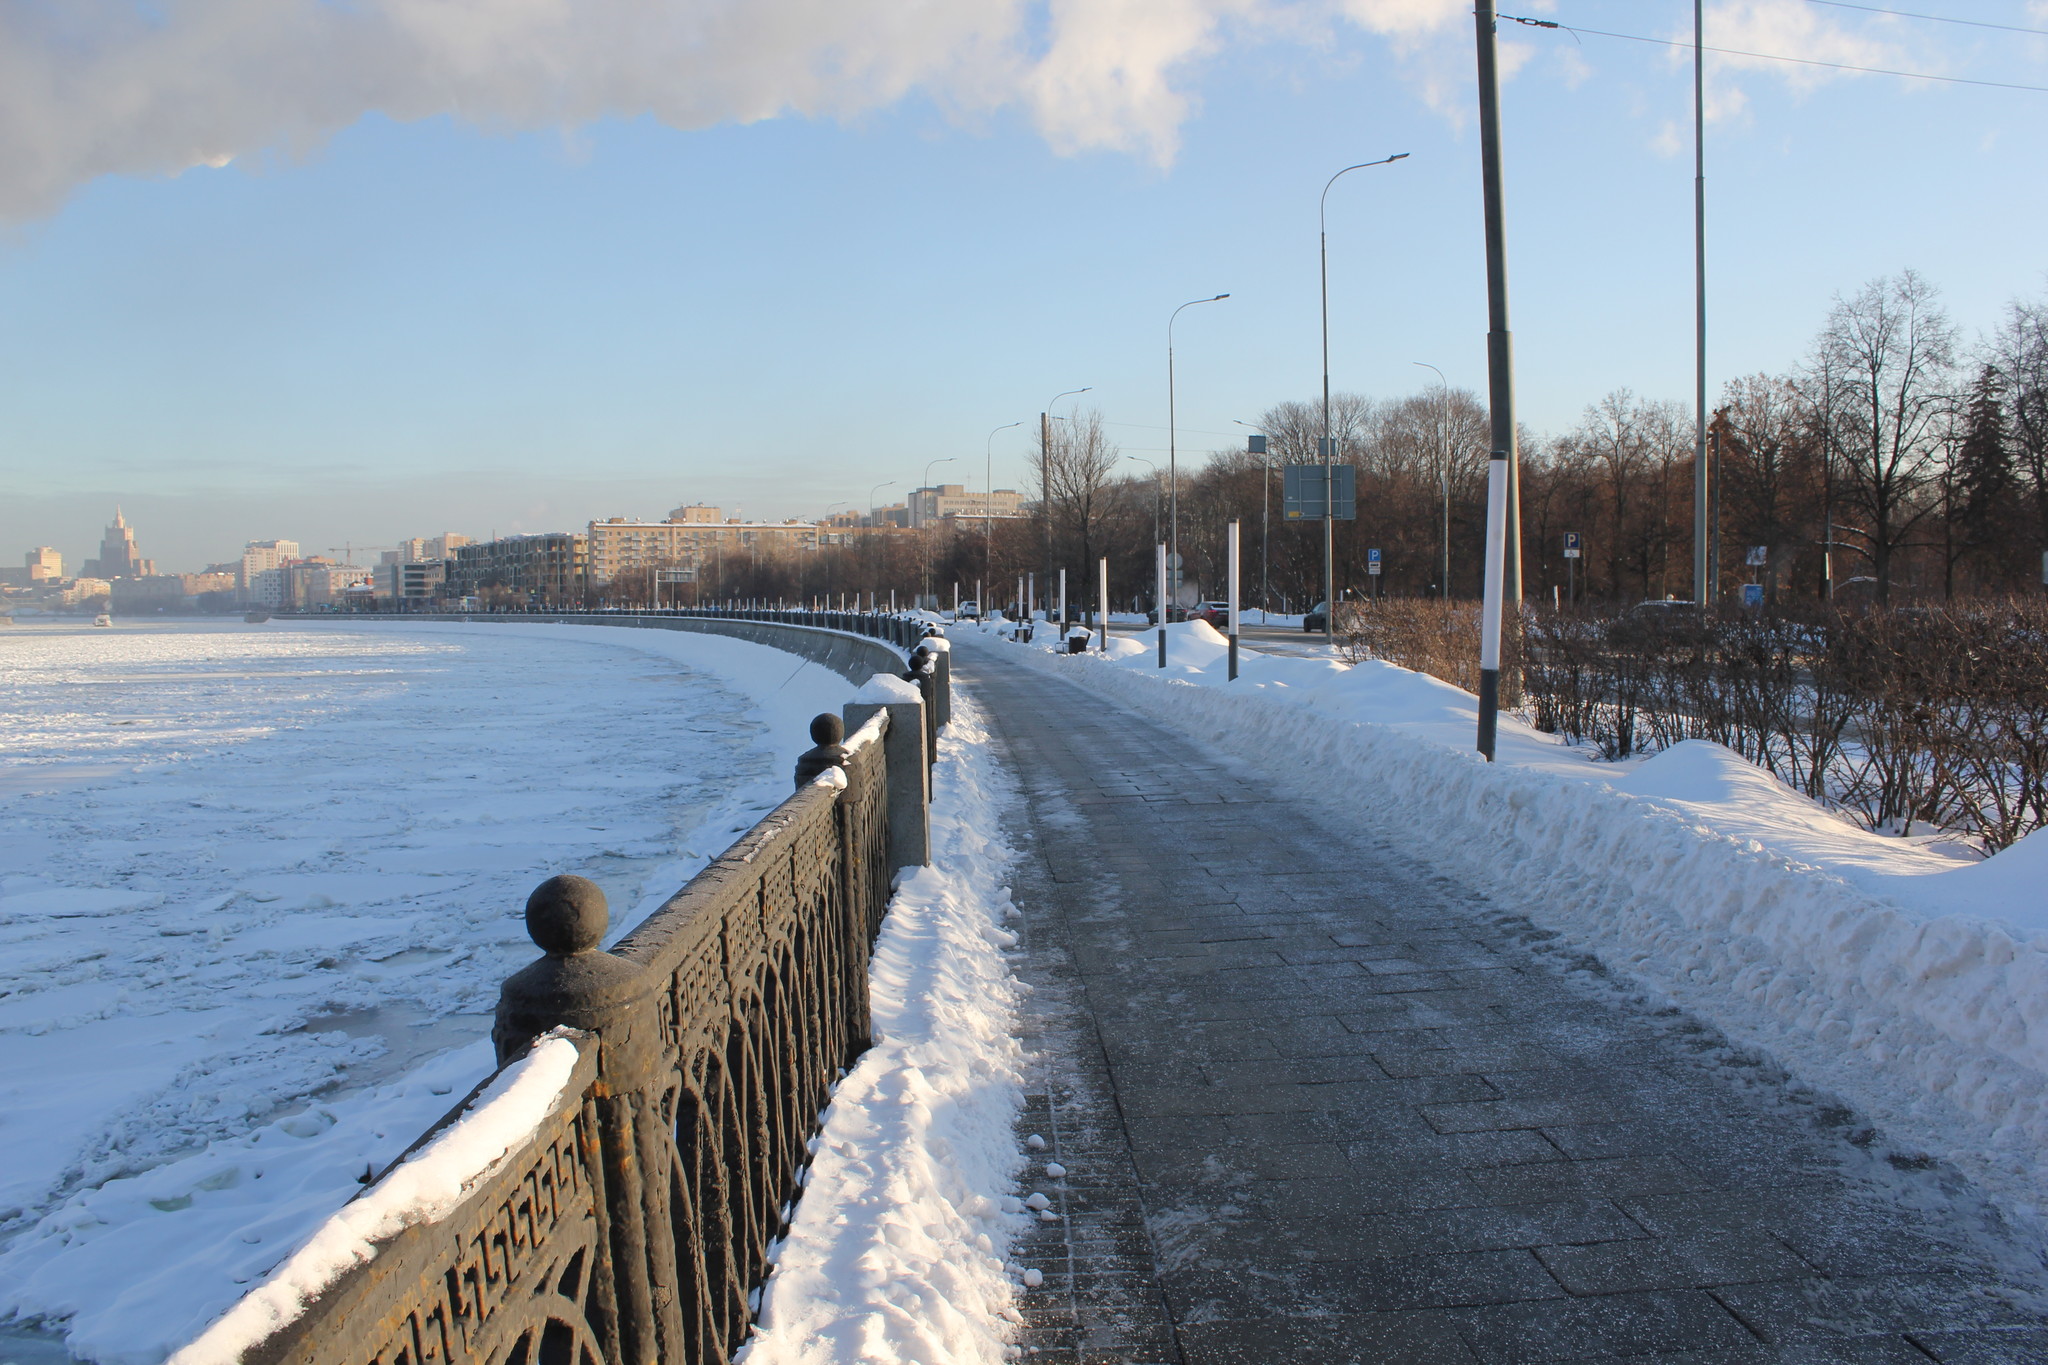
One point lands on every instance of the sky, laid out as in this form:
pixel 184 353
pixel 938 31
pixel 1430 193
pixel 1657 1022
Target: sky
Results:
pixel 343 273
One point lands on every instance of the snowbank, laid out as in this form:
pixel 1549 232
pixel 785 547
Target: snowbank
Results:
pixel 1914 986
pixel 897 1250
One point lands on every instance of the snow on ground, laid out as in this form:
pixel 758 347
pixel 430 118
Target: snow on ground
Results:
pixel 1913 984
pixel 259 884
pixel 896 1252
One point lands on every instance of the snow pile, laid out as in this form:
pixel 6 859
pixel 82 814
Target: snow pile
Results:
pixel 896 1252
pixel 425 1188
pixel 1913 985
pixel 886 688
pixel 259 886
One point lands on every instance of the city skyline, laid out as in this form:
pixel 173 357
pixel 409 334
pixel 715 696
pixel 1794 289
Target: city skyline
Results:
pixel 392 321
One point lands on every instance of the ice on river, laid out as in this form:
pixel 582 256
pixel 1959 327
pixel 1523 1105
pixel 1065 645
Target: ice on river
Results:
pixel 259 884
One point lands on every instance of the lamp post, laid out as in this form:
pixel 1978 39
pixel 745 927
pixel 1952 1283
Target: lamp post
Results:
pixel 1443 468
pixel 925 523
pixel 1173 467
pixel 1329 448
pixel 1045 468
pixel 988 498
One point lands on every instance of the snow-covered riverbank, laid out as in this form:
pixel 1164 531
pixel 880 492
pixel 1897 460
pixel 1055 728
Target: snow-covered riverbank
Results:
pixel 258 885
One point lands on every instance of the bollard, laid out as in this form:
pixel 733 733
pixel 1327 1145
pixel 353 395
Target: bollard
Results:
pixel 827 751
pixel 578 986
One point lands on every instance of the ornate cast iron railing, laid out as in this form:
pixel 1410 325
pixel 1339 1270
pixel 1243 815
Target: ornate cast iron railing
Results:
pixel 634 1227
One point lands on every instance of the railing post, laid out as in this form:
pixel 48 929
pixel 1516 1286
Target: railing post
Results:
pixel 909 776
pixel 578 986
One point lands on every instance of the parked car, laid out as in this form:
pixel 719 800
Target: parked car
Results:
pixel 1347 615
pixel 969 611
pixel 1174 613
pixel 1216 614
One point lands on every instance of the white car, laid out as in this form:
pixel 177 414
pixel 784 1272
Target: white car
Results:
pixel 969 611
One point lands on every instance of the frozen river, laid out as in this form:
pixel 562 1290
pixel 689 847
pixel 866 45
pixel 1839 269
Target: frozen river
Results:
pixel 258 886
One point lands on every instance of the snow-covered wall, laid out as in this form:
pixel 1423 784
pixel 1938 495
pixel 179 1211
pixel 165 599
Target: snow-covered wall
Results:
pixel 1934 1024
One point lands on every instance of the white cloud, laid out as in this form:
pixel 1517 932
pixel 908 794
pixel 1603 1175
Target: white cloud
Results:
pixel 90 88
pixel 1789 28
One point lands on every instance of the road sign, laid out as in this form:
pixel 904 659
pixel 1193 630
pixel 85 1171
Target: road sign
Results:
pixel 1304 486
pixel 1752 594
pixel 1759 555
pixel 675 575
pixel 1571 544
pixel 1254 445
pixel 1372 561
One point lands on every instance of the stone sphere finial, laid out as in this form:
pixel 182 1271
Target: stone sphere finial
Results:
pixel 566 915
pixel 827 728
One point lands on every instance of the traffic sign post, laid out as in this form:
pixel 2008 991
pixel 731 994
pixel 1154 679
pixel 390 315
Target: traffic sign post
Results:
pixel 1307 489
pixel 1571 565
pixel 1372 567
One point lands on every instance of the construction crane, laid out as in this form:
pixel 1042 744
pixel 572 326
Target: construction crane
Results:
pixel 348 551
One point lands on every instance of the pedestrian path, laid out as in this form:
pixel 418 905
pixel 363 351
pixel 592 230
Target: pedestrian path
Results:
pixel 1318 1104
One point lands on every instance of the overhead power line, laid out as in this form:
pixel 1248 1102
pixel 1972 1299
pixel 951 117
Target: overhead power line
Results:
pixel 1930 18
pixel 1778 56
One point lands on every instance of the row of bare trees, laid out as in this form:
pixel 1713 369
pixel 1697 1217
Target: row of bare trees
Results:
pixel 1895 463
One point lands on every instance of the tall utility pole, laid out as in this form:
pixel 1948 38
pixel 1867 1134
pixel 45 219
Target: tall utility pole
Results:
pixel 1503 577
pixel 1700 587
pixel 1327 446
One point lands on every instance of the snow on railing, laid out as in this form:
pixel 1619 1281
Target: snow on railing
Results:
pixel 494 1127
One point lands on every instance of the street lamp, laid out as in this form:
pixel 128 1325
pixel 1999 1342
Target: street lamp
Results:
pixel 1443 467
pixel 1265 525
pixel 988 498
pixel 1173 467
pixel 925 522
pixel 1329 449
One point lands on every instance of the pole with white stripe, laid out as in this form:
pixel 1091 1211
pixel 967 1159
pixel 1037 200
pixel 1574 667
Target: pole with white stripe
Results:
pixel 1160 600
pixel 1490 609
pixel 1233 599
pixel 1102 600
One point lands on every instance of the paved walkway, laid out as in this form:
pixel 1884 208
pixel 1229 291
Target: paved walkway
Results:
pixel 1318 1104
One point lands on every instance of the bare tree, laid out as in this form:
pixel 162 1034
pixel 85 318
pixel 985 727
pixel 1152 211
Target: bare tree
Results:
pixel 1077 471
pixel 1892 352
pixel 2018 351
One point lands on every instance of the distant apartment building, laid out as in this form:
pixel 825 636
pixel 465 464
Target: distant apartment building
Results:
pixel 119 557
pixel 952 500
pixel 420 549
pixel 692 537
pixel 214 579
pixel 41 565
pixel 264 587
pixel 315 584
pixel 548 567
pixel 262 557
pixel 417 580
